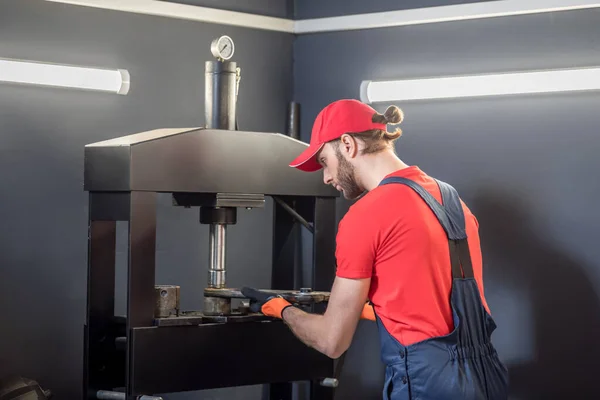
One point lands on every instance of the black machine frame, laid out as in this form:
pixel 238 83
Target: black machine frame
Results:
pixel 123 177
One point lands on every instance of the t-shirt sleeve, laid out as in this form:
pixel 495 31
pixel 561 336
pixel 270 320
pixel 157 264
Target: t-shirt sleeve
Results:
pixel 355 248
pixel 469 214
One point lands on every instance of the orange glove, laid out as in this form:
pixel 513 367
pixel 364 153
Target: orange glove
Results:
pixel 267 303
pixel 368 312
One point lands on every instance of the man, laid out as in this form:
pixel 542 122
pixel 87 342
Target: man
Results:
pixel 410 246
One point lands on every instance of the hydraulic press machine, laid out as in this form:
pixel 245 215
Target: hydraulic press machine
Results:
pixel 157 347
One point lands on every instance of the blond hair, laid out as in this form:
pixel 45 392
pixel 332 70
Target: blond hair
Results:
pixel 376 140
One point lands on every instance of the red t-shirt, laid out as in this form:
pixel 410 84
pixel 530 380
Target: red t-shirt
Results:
pixel 392 236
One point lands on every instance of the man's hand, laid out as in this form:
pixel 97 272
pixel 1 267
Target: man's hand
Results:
pixel 267 303
pixel 330 333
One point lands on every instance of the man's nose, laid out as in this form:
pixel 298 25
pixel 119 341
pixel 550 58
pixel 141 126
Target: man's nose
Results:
pixel 326 177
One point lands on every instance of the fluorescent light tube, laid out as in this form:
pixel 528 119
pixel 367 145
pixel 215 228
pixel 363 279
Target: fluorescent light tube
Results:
pixel 551 81
pixel 64 76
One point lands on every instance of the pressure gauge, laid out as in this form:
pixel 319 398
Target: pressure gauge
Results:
pixel 222 48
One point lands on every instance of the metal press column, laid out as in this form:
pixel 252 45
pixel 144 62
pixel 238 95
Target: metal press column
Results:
pixel 221 79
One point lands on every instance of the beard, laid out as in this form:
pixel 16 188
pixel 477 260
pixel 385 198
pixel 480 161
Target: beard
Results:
pixel 346 178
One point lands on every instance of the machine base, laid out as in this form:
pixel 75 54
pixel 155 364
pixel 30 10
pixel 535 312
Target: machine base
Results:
pixel 182 358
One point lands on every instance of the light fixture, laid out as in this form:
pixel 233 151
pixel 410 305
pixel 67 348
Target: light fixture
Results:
pixel 64 76
pixel 549 81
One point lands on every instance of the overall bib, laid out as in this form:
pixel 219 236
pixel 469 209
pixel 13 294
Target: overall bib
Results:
pixel 462 365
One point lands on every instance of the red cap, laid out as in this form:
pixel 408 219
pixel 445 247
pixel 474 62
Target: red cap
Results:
pixel 338 118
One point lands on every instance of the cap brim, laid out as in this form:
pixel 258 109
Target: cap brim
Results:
pixel 307 160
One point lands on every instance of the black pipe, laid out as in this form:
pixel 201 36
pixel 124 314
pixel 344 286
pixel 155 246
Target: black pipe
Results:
pixel 293 131
pixel 294 213
pixel 293 120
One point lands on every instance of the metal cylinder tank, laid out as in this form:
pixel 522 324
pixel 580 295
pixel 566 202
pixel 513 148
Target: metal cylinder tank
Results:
pixel 220 94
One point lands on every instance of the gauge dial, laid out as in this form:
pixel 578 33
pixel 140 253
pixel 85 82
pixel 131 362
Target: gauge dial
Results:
pixel 222 47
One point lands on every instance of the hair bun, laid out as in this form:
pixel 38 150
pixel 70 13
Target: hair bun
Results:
pixel 393 115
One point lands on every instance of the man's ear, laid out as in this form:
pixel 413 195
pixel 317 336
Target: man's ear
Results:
pixel 349 145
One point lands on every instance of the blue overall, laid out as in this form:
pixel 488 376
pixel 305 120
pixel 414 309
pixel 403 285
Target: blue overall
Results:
pixel 462 365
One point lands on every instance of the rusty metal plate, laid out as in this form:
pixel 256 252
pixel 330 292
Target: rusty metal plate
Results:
pixel 303 296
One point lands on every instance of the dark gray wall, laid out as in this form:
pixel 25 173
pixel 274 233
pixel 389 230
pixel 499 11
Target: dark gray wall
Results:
pixel 526 165
pixel 43 208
